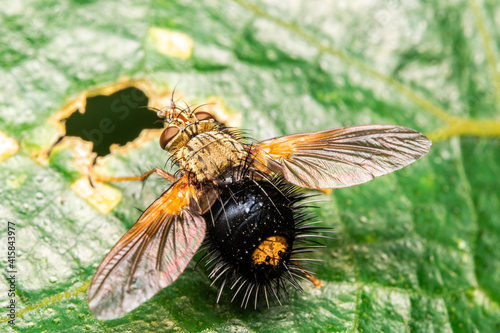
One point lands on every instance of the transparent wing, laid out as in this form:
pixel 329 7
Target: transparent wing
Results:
pixel 151 255
pixel 341 157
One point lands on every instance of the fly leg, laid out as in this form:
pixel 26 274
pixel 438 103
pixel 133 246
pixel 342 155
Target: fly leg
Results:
pixel 142 177
pixel 317 283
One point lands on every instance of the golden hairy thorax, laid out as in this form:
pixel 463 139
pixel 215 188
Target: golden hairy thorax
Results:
pixel 205 151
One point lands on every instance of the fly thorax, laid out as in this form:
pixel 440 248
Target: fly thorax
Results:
pixel 209 154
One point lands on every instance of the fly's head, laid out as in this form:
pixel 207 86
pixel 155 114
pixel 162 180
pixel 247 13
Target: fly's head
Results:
pixel 182 124
pixel 199 145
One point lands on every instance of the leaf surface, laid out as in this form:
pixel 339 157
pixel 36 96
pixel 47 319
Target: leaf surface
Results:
pixel 417 250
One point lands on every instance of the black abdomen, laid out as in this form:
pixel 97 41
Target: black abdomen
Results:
pixel 256 232
pixel 246 218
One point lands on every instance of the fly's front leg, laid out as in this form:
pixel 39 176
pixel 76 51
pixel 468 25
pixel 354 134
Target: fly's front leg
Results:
pixel 142 177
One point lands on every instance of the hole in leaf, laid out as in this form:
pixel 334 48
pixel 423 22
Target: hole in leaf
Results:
pixel 115 119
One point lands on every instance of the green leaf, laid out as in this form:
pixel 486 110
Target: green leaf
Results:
pixel 417 250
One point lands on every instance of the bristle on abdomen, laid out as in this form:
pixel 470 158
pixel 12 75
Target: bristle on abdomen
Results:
pixel 256 235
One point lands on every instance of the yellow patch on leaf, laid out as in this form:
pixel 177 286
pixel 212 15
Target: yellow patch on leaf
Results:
pixel 100 196
pixel 8 147
pixel 172 43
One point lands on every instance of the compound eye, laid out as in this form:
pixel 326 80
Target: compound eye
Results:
pixel 203 115
pixel 167 135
